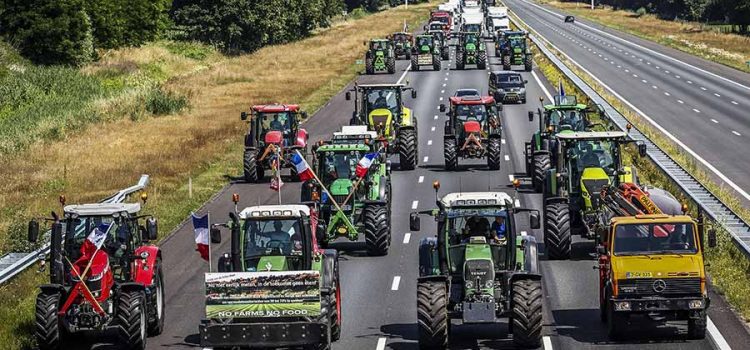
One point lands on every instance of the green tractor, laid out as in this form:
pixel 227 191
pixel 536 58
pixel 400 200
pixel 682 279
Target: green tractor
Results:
pixel 380 57
pixel 426 52
pixel 362 204
pixel 513 49
pixel 402 43
pixel 442 41
pixel 584 163
pixel 470 50
pixel 381 108
pixel 478 272
pixel 565 115
pixel 275 287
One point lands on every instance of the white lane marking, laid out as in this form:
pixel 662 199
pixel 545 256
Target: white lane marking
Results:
pixel 441 98
pixel 635 75
pixel 407 236
pixel 507 158
pixel 619 66
pixel 502 141
pixel 696 111
pixel 404 74
pixel 717 95
pixel 381 344
pixel 444 84
pixel 547 343
pixel 736 133
pixel 436 117
pixel 414 204
pixel 425 159
pixel 681 101
pixel 421 179
pixel 429 142
pixel 432 129
pixel 654 87
pixel 539 82
pixel 677 76
pixel 396 281
pixel 715 336
pixel 689 82
pixel 517 203
pixel 447 73
pixel 715 121
pixel 627 70
pixel 704 89
pixel 666 71
pixel 735 103
pixel 510 177
pixel 644 81
pixel 442 91
pixel 657 67
pixel 446 79
pixel 666 94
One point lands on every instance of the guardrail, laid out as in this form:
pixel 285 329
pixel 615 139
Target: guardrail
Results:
pixel 709 204
pixel 12 264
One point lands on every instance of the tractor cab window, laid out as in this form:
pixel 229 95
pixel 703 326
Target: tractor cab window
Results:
pixel 338 165
pixel 425 41
pixel 438 35
pixel 436 26
pixel 377 99
pixel 471 112
pixel 378 45
pixel 400 37
pixel 488 225
pixel 473 28
pixel 272 237
pixel 567 120
pixel 594 154
pixel 276 121
pixel 517 42
pixel 637 239
pixel 471 38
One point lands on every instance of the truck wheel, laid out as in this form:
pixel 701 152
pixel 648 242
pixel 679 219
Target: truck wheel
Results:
pixel 449 153
pixel 482 60
pixel 414 64
pixel 436 63
pixel 48 327
pixel 557 231
pixel 131 318
pixel 541 165
pixel 506 62
pixel 615 322
pixel 156 323
pixel 250 166
pixel 432 315
pixel 527 313
pixel 369 66
pixel 493 154
pixel 528 63
pixel 390 64
pixel 407 149
pixel 377 230
pixel 697 326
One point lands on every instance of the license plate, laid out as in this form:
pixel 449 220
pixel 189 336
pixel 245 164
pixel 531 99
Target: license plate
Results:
pixel 639 274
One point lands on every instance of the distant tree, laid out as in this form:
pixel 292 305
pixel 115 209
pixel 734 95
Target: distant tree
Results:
pixel 119 23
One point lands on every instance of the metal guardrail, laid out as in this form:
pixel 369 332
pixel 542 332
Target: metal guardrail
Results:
pixel 709 204
pixel 12 264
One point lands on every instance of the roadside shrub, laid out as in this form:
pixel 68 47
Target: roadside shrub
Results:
pixel 160 102
pixel 640 12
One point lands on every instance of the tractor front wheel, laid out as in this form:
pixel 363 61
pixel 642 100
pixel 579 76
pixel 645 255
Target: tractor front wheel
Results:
pixel 432 315
pixel 250 166
pixel 450 154
pixel 541 165
pixel 377 230
pixel 156 321
pixel 459 60
pixel 493 154
pixel 49 329
pixel 414 63
pixel 482 60
pixel 557 231
pixel 132 319
pixel 407 149
pixel 506 62
pixel 444 53
pixel 527 313
pixel 369 66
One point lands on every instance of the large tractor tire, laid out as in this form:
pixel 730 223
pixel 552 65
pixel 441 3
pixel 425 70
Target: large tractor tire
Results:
pixel 377 230
pixel 132 319
pixel 482 60
pixel 335 306
pixel 557 231
pixel 156 307
pixel 436 62
pixel 493 154
pixel 432 315
pixel 528 63
pixel 408 54
pixel 390 64
pixel 369 66
pixel 250 166
pixel 414 64
pixel 506 62
pixel 444 53
pixel 541 166
pixel 526 312
pixel 407 149
pixel 460 59
pixel 49 329
pixel 450 153
pixel 697 326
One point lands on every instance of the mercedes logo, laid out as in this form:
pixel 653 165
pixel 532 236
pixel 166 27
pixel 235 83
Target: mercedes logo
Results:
pixel 659 286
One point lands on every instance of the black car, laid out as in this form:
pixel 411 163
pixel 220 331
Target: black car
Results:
pixel 507 87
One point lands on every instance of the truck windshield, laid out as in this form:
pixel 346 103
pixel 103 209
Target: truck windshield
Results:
pixel 653 239
pixel 337 165
pixel 273 237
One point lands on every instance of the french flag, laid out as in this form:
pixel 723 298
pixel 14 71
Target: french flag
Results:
pixel 364 164
pixel 303 170
pixel 95 240
pixel 561 88
pixel 200 225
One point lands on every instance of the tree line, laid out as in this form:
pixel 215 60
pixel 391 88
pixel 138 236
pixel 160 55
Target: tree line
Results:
pixel 735 12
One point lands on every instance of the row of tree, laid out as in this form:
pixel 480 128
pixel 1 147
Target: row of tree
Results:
pixel 725 11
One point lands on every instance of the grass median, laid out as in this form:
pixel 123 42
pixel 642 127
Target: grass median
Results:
pixel 203 142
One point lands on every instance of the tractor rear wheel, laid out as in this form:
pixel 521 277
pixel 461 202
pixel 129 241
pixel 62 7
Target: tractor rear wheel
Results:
pixel 436 63
pixel 444 54
pixel 506 62
pixel 407 149
pixel 414 63
pixel 450 154
pixel 49 329
pixel 390 64
pixel 557 231
pixel 432 315
pixel 132 319
pixel 369 66
pixel 408 55
pixel 156 323
pixel 250 166
pixel 697 326
pixel 527 313
pixel 377 230
pixel 541 165
pixel 528 63
pixel 460 59
pixel 482 60
pixel 493 154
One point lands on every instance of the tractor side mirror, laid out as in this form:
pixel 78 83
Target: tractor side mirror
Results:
pixel 364 43
pixel 414 222
pixel 712 238
pixel 531 116
pixel 388 166
pixel 152 229
pixel 442 107
pixel 413 93
pixel 525 81
pixel 243 116
pixel 33 231
pixel 642 149
pixel 534 221
pixel 225 263
pixel 348 95
pixel 215 234
pixel 303 115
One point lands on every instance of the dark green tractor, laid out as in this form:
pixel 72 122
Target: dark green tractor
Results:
pixel 402 43
pixel 364 203
pixel 513 49
pixel 442 41
pixel 426 52
pixel 380 57
pixel 565 115
pixel 470 50
pixel 478 268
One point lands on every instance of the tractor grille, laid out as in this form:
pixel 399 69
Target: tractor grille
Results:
pixel 480 272
pixel 653 286
pixel 595 186
pixel 339 198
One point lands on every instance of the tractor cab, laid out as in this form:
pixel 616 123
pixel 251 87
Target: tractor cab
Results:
pixel 402 43
pixel 566 114
pixel 425 44
pixel 472 130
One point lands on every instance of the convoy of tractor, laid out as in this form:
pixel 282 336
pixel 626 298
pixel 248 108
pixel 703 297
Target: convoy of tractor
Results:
pixel 278 285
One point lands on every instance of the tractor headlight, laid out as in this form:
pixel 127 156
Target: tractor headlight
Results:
pixel 696 304
pixel 622 306
pixel 469 284
pixel 489 284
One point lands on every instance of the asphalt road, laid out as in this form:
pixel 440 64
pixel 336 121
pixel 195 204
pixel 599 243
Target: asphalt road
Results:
pixel 702 104
pixel 379 293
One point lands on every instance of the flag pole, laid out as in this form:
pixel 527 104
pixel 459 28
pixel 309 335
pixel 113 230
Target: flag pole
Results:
pixel 356 185
pixel 325 190
pixel 209 241
pixel 278 171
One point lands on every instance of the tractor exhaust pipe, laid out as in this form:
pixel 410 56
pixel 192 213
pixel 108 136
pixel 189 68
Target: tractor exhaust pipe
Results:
pixel 57 269
pixel 236 258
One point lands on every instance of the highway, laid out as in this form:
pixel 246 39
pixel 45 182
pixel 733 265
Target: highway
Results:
pixel 702 104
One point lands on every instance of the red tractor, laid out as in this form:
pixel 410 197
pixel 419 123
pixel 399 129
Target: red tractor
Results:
pixel 472 131
pixel 444 17
pixel 273 136
pixel 104 274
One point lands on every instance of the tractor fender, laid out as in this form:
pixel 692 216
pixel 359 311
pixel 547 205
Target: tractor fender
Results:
pixel 330 260
pixel 553 200
pixel 302 137
pixel 377 202
pixel 525 276
pixel 433 278
pixel 382 187
pixel 495 136
pixel 407 118
pixel 130 287
pixel 542 152
pixel 144 268
pixel 530 263
pixel 428 257
pixel 52 288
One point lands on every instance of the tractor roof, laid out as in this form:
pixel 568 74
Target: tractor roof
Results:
pixel 102 209
pixel 383 86
pixel 475 199
pixel 440 13
pixel 592 135
pixel 275 211
pixel 379 40
pixel 472 100
pixel 652 219
pixel 515 33
pixel 344 147
pixel 402 33
pixel 275 108
pixel 356 132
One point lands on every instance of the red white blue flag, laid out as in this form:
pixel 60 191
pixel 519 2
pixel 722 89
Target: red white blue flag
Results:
pixel 95 239
pixel 200 225
pixel 364 164
pixel 303 169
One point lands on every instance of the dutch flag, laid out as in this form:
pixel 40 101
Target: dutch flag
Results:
pixel 303 170
pixel 365 163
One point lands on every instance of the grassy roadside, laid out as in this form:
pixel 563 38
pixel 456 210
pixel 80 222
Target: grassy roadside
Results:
pixel 727 266
pixel 203 143
pixel 729 49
